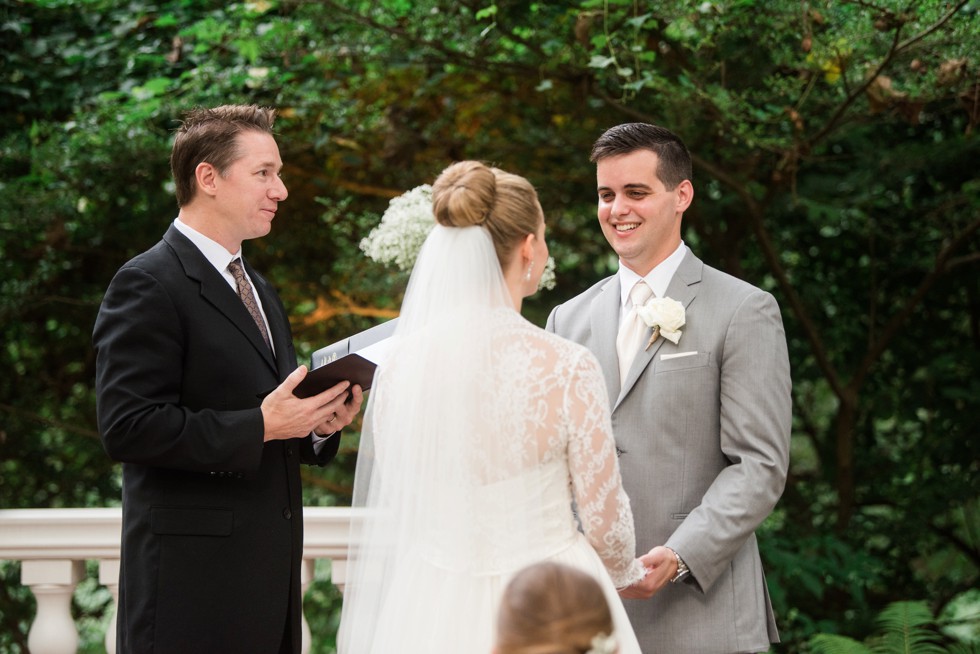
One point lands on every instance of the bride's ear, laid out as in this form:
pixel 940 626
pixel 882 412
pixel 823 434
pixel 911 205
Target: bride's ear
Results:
pixel 527 248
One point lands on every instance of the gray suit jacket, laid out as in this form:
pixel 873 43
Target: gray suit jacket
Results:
pixel 704 442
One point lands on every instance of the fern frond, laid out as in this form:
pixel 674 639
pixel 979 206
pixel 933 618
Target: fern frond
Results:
pixel 835 644
pixel 899 616
pixel 914 640
pixel 908 628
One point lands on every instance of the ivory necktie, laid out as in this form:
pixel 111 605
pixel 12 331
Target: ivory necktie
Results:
pixel 632 330
pixel 248 297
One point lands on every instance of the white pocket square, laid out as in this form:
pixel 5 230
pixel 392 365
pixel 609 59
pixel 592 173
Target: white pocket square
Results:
pixel 664 357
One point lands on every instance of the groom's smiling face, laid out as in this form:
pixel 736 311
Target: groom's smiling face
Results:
pixel 639 216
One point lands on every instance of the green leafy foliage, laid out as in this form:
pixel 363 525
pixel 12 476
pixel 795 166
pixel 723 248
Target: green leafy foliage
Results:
pixel 835 152
pixel 903 628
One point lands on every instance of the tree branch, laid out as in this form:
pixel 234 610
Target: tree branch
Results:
pixel 896 49
pixel 929 30
pixel 960 261
pixel 899 319
pixel 341 304
pixel 312 480
pixel 963 546
pixel 854 95
pixel 810 329
pixel 68 427
pixel 454 57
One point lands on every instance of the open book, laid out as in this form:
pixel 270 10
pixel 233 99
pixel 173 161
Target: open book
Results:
pixel 353 359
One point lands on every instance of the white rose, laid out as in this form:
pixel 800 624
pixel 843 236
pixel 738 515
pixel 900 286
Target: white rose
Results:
pixel 665 313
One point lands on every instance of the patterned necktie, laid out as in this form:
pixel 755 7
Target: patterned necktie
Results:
pixel 632 330
pixel 248 297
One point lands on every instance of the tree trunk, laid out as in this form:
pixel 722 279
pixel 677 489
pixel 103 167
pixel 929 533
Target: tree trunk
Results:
pixel 846 430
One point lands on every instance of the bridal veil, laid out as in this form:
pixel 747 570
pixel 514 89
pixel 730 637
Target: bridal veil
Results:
pixel 479 430
pixel 442 462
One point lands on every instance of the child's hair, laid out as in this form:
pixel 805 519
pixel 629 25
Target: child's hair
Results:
pixel 552 608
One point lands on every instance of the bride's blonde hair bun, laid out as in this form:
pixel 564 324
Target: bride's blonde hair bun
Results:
pixel 464 194
pixel 469 193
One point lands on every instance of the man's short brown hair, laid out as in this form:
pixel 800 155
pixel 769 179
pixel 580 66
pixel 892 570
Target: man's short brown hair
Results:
pixel 211 136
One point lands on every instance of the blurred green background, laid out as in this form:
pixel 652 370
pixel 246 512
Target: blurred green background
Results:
pixel 836 165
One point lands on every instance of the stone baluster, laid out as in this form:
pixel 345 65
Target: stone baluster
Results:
pixel 338 573
pixel 53 584
pixel 109 577
pixel 52 545
pixel 306 573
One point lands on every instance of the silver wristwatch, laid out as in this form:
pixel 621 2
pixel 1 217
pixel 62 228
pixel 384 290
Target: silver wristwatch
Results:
pixel 682 569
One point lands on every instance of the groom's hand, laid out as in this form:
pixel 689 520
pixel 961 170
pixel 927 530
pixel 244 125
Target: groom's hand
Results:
pixel 661 566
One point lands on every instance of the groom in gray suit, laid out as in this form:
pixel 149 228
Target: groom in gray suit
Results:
pixel 699 381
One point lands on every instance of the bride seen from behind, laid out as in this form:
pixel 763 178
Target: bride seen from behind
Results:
pixel 480 431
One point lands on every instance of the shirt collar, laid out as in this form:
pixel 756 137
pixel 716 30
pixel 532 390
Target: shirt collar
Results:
pixel 213 251
pixel 657 279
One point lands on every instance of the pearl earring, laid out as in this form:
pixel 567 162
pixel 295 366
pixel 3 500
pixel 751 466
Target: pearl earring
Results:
pixel 527 275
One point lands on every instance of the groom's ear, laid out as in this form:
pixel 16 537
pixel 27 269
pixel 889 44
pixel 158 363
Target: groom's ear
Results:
pixel 685 195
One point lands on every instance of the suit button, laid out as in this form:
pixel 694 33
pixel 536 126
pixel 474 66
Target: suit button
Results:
pixel 289 451
pixel 287 514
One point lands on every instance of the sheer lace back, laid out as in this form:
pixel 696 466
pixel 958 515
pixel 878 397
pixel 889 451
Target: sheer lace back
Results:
pixel 540 438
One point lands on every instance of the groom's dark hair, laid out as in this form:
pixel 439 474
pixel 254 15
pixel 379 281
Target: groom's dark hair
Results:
pixel 674 159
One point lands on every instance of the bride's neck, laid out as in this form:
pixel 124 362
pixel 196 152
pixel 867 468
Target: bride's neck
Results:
pixel 514 278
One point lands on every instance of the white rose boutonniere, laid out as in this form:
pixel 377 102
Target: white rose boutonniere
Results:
pixel 666 316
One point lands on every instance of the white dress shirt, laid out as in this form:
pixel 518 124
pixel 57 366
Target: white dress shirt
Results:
pixel 218 256
pixel 657 279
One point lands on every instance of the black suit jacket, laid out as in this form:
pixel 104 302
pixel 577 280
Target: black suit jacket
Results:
pixel 212 516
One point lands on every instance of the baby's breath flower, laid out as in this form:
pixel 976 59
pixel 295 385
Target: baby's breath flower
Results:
pixel 404 226
pixel 548 276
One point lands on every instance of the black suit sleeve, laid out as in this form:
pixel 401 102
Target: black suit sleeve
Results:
pixel 144 362
pixel 311 455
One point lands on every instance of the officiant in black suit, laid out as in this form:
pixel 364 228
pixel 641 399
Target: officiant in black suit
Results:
pixel 194 377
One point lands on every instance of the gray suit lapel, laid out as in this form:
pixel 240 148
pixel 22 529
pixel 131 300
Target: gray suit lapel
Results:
pixel 683 288
pixel 604 315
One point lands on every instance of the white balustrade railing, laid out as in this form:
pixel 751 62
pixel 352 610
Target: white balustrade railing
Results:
pixel 53 545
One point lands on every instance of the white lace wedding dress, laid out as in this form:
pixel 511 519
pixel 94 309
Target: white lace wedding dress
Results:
pixel 480 432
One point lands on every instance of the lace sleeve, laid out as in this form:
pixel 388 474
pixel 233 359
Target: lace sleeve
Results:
pixel 603 507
